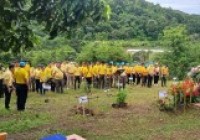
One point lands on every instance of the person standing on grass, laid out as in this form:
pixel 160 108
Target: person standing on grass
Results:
pixel 77 76
pixel 156 74
pixel 58 76
pixel 138 69
pixel 87 73
pixel 95 70
pixel 37 78
pixel 22 82
pixel 32 79
pixel 102 73
pixel 43 79
pixel 150 75
pixel 8 82
pixel 164 75
pixel 109 76
pixel 144 76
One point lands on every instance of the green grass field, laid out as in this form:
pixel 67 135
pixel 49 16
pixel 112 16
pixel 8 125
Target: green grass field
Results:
pixel 142 120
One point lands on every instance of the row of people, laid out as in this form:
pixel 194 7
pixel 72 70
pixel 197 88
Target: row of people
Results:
pixel 70 74
pixel 100 75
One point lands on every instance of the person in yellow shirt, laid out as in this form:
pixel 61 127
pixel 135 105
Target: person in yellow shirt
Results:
pixel 43 79
pixel 95 70
pixel 88 76
pixel 114 75
pixel 109 75
pixel 48 71
pixel 32 79
pixel 8 81
pixel 150 75
pixel 138 69
pixel 77 76
pixel 52 66
pixel 22 82
pixel 128 73
pixel 164 75
pixel 37 78
pixel 133 73
pixel 156 74
pixel 144 75
pixel 70 72
pixel 102 74
pixel 58 76
pixel 63 68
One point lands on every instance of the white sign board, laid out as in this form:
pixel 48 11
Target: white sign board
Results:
pixel 131 78
pixel 83 99
pixel 162 94
pixel 46 86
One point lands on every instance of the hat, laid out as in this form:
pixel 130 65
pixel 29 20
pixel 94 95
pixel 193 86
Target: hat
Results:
pixel 22 64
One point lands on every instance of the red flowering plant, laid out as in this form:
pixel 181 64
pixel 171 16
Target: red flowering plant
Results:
pixel 188 87
pixel 182 91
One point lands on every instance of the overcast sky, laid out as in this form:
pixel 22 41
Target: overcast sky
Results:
pixel 188 6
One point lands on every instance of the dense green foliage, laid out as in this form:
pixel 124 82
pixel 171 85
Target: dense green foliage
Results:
pixel 132 23
pixel 137 19
pixel 16 17
pixel 104 53
pixel 183 54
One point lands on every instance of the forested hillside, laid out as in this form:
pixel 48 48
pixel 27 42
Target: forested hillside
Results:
pixel 137 19
pixel 80 32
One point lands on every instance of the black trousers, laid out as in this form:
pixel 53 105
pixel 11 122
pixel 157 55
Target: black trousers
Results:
pixel 32 84
pixel 96 82
pixel 156 79
pixel 150 78
pixel 7 91
pixel 102 81
pixel 59 85
pixel 53 86
pixel 22 92
pixel 128 76
pixel 133 75
pixel 89 83
pixel 144 80
pixel 138 79
pixel 77 80
pixel 42 90
pixel 123 81
pixel 163 81
pixel 1 88
pixel 37 83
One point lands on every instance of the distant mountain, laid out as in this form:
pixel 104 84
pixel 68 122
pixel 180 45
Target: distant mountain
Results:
pixel 137 19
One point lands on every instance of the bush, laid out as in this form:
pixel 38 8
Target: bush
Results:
pixel 121 96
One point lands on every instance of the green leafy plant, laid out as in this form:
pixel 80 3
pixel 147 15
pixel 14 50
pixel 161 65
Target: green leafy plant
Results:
pixel 121 96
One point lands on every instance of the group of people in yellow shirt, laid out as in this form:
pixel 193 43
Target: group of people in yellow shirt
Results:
pixel 98 75
pixel 15 77
pixel 70 74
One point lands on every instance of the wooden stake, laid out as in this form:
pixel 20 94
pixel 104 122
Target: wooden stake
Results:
pixel 3 136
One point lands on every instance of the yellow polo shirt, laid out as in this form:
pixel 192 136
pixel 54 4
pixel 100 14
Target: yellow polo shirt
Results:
pixel 8 78
pixel 48 72
pixel 21 76
pixel 77 71
pixel 102 69
pixel 37 73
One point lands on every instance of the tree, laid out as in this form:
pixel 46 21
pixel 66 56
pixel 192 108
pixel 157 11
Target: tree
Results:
pixel 56 16
pixel 103 52
pixel 177 57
